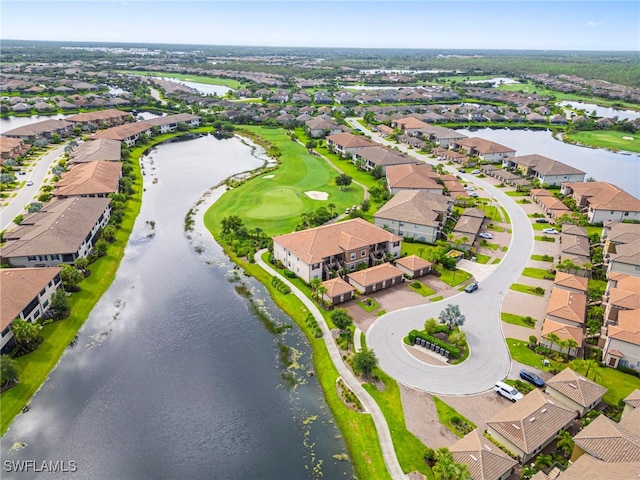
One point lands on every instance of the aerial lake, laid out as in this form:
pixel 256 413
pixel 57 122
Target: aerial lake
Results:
pixel 173 375
pixel 602 111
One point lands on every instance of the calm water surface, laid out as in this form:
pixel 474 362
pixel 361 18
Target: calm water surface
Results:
pixel 603 111
pixel 173 376
pixel 621 170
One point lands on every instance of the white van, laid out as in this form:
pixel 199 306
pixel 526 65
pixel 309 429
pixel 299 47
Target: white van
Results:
pixel 507 391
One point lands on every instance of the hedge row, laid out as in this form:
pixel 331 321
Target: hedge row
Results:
pixel 280 285
pixel 454 351
pixel 313 325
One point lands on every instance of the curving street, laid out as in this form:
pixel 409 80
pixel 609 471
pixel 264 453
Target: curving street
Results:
pixel 489 360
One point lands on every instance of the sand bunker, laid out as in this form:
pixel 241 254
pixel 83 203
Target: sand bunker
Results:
pixel 317 195
pixel 627 138
pixel 268 176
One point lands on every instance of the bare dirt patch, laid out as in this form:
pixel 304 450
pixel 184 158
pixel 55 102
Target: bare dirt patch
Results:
pixel 627 138
pixel 422 419
pixel 315 195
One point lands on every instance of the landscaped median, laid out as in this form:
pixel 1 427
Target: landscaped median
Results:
pixel 36 366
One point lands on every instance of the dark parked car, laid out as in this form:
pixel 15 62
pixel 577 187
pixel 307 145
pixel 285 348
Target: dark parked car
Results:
pixel 472 287
pixel 531 377
pixel 542 220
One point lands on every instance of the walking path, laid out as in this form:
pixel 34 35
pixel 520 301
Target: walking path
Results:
pixel 370 405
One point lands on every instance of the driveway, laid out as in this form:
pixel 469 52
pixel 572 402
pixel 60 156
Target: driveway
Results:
pixel 489 359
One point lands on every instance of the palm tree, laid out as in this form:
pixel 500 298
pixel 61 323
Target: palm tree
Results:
pixel 446 468
pixel 572 344
pixel 320 291
pixel 452 316
pixel 314 284
pixel 331 207
pixel 553 339
pixel 420 251
pixel 565 443
pixel 589 366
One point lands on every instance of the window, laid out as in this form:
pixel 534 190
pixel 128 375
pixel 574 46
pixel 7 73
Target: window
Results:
pixel 42 292
pixel 45 303
pixel 402 223
pixel 353 255
pixel 401 233
pixel 363 253
pixel 624 363
pixel 352 267
pixel 6 330
pixel 396 244
pixel 626 214
pixel 315 266
pixel 31 259
pixel 42 258
pixel 37 314
pixel 55 256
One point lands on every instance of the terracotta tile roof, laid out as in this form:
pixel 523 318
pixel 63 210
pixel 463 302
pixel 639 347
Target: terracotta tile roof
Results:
pixel 383 156
pixel 410 123
pixel 574 245
pixel 413 262
pixel 567 305
pixel 348 140
pixel 571 281
pixel 531 421
pixel 622 232
pixel 468 225
pixel 18 286
pixel 99 115
pixel 412 176
pixel 441 133
pixel 377 274
pixel 473 212
pixel 633 399
pixel 320 123
pixel 170 119
pixel 8 144
pixel 337 286
pixel 37 128
pixel 60 227
pixel 625 282
pixel 609 441
pixel 576 387
pixel 484 459
pixel 575 230
pixel 545 166
pixel 122 132
pixel 552 203
pixel 416 206
pixel 628 253
pixel 628 327
pixel 315 244
pixel 91 178
pixel 605 196
pixel 629 300
pixel 92 150
pixel 562 330
pixel 615 353
pixel 483 146
pixel 589 468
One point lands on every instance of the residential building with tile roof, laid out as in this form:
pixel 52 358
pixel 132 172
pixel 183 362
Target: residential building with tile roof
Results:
pixel 575 391
pixel 94 150
pixel 375 278
pixel 414 266
pixel 565 333
pixel 318 252
pixel 625 295
pixel 127 133
pixel 549 204
pixel 549 171
pixel 567 307
pixel 24 293
pixel 622 345
pixel 625 259
pixel 484 460
pixel 338 291
pixel 412 177
pixel 60 232
pixel 93 179
pixel 603 202
pixel 530 424
pixel 415 214
pixel 573 283
pixel 346 143
pixel 485 149
pixel 170 123
pixel 587 467
pixel 376 155
pixel 43 130
pixel 631 402
pixel 101 117
pixel 12 148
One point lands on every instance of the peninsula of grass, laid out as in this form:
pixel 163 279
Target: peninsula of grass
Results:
pixel 538 273
pixel 453 277
pixel 421 288
pixel 225 82
pixel 610 139
pixel 505 215
pixel 544 238
pixel 36 366
pixel 451 419
pixel 480 258
pixel 275 203
pixel 518 287
pixel 437 299
pixel 368 304
pixel 491 246
pixel 514 319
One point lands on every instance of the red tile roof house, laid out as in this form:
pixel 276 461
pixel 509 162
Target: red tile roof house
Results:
pixel 412 177
pixel 413 266
pixel 415 214
pixel 574 246
pixel 376 278
pixel 169 123
pixel 572 283
pixel 346 144
pixel 319 127
pixel 485 149
pixel 622 347
pixel 94 150
pixel 547 170
pixel 603 202
pixel 24 293
pixel 549 204
pixel 484 460
pixel 381 156
pixel 321 251
pixel 43 130
pixel 93 179
pixel 12 148
pixel 564 332
pixel 59 233
pixel 99 118
pixel 440 135
pixel 626 259
pixel 623 293
pixel 338 291
pixel 127 133
pixel 575 391
pixel 567 307
pixel 530 424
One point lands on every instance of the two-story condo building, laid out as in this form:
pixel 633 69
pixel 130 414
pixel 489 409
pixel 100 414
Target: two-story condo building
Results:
pixel 549 171
pixel 169 123
pixel 603 202
pixel 485 149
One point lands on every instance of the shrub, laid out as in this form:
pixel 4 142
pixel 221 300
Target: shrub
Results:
pixel 289 274
pixel 454 351
pixel 628 370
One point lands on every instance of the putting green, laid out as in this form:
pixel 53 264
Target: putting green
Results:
pixel 275 204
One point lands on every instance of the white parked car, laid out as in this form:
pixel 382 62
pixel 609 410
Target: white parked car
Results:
pixel 485 235
pixel 552 231
pixel 475 172
pixel 474 194
pixel 507 391
pixel 29 183
pixel 468 188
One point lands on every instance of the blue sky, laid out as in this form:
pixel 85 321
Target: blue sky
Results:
pixel 546 25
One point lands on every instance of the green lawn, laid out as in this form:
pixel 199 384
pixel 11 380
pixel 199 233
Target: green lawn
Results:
pixel 275 204
pixel 409 448
pixel 422 289
pixel 517 193
pixel 619 384
pixel 514 319
pixel 538 273
pixel 480 258
pixel 544 238
pixel 495 260
pixel 437 299
pixel 368 304
pixel 591 229
pixel 227 82
pixel 608 139
pixel 505 215
pixel 447 416
pixel 419 249
pixel 518 287
pixel 453 277
pixel 542 258
pixel 491 212
pixel 593 283
pixel 495 228
pixel 492 246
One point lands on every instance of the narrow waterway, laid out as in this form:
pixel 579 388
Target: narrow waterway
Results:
pixel 173 376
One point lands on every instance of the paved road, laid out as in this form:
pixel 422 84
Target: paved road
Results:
pixel 489 359
pixel 370 405
pixel 27 195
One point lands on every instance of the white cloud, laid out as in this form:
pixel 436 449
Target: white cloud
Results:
pixel 591 23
